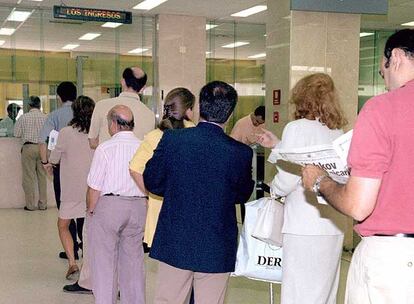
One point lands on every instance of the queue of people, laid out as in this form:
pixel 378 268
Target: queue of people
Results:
pixel 175 187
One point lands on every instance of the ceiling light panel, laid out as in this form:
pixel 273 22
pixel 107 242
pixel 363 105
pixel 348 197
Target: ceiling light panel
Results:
pixel 235 45
pixel 70 46
pixel 210 26
pixel 408 24
pixel 7 31
pixel 148 4
pixel 111 24
pixel 250 11
pixel 19 16
pixel 364 34
pixel 90 36
pixel 137 51
pixel 257 56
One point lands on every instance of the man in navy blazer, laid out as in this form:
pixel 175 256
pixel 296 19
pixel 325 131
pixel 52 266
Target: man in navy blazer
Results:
pixel 201 173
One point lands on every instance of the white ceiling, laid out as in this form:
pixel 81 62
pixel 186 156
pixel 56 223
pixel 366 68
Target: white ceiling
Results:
pixel 42 32
pixel 212 9
pixel 56 32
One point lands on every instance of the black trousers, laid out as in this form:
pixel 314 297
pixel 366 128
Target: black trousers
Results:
pixel 75 228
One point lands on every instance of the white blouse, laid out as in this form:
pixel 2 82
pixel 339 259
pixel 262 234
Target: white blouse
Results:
pixel 303 214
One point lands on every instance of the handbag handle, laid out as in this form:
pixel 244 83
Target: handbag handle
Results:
pixel 276 197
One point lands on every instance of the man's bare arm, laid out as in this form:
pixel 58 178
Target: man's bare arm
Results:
pixel 92 197
pixel 356 199
pixel 139 180
pixel 43 152
pixel 93 143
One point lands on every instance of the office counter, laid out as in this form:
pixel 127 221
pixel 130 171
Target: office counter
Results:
pixel 11 191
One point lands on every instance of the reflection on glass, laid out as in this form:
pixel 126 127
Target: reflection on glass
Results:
pixel 33 60
pixel 236 54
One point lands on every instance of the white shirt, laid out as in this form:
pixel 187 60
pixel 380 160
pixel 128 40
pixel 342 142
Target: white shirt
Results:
pixel 303 214
pixel 109 171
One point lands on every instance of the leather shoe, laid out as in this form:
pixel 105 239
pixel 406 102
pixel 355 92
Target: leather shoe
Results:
pixel 74 269
pixel 75 288
pixel 27 209
pixel 63 255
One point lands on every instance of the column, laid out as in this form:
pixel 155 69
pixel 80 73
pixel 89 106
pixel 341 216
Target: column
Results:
pixel 301 43
pixel 180 54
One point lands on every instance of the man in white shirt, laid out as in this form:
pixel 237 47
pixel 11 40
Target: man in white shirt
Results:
pixel 133 82
pixel 116 213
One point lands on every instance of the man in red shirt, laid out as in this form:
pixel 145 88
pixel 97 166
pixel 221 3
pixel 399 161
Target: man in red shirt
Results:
pixel 379 193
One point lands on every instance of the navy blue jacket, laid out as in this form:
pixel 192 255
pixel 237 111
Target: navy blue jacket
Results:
pixel 201 173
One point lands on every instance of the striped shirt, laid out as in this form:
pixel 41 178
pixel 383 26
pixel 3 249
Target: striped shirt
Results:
pixel 56 120
pixel 29 125
pixel 109 171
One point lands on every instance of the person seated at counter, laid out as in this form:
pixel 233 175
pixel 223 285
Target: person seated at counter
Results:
pixel 247 128
pixel 7 124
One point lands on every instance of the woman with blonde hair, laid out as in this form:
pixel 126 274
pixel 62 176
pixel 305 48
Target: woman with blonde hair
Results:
pixel 312 236
pixel 178 112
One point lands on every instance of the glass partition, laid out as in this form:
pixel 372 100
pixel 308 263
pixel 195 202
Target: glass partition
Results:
pixel 236 55
pixel 44 51
pixel 371 51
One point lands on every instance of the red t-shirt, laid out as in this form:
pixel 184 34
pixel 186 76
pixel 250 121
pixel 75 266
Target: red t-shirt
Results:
pixel 383 148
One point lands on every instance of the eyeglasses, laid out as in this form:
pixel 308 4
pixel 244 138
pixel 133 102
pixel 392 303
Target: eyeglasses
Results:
pixel 381 73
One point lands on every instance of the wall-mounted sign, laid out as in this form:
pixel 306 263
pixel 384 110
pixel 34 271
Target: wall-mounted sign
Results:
pixel 91 14
pixel 275 117
pixel 341 6
pixel 276 97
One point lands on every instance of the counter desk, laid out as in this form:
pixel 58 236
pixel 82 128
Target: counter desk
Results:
pixel 11 191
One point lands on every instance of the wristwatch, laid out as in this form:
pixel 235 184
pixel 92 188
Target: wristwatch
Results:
pixel 317 185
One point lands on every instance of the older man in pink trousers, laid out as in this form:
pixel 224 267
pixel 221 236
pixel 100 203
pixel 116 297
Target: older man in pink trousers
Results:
pixel 116 216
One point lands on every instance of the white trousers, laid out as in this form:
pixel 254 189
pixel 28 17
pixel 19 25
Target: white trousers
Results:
pixel 382 271
pixel 311 265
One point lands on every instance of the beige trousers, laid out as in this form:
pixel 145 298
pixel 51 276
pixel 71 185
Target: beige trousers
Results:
pixel 174 286
pixel 382 271
pixel 33 173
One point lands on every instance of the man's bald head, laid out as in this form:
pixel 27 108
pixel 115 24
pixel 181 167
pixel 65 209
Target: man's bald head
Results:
pixel 120 118
pixel 134 79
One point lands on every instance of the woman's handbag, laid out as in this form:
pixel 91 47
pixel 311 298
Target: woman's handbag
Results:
pixel 256 259
pixel 268 227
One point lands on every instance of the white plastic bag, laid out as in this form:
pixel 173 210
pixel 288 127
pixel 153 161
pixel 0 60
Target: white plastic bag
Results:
pixel 256 259
pixel 268 227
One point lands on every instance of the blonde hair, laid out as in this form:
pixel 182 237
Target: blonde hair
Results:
pixel 314 97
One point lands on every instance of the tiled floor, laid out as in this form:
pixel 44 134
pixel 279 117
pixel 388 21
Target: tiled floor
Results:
pixel 30 271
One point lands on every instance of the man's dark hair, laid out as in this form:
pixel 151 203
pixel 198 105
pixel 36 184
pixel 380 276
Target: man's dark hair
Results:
pixel 66 91
pixel 260 111
pixel 34 102
pixel 403 40
pixel 217 101
pixel 132 82
pixel 12 110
